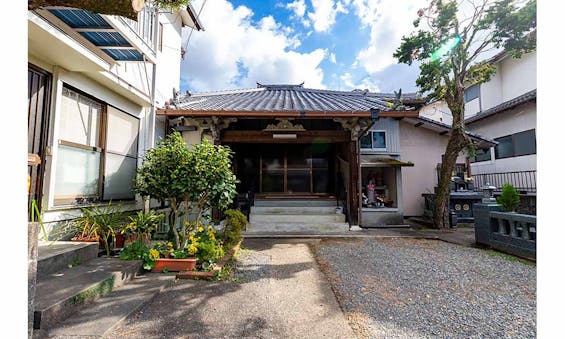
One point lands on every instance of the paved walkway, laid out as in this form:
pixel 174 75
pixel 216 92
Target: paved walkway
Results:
pixel 279 292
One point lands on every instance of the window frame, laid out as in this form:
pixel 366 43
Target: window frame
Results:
pixel 512 138
pixel 466 96
pixel 373 148
pixel 101 148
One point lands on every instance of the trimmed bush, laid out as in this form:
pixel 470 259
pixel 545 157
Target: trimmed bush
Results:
pixel 235 225
pixel 509 199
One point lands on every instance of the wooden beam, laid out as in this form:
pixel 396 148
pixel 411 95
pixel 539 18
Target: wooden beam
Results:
pixel 302 137
pixel 418 124
pixel 353 183
pixel 443 133
pixel 281 114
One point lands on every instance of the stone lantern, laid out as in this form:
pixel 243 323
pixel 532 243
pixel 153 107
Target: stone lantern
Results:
pixel 488 194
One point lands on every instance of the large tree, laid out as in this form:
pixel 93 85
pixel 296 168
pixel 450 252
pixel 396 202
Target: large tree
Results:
pixel 449 41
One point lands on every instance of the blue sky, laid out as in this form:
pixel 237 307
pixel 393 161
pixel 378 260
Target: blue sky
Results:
pixel 332 44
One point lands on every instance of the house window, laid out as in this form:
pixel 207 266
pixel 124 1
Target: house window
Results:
pixel 471 93
pixel 523 143
pixel 374 140
pixel 97 151
pixel 481 155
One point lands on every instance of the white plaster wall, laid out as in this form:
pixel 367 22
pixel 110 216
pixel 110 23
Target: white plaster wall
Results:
pixel 437 111
pixel 169 58
pixel 519 119
pixel 518 76
pixel 513 78
pixel 424 148
pixel 490 92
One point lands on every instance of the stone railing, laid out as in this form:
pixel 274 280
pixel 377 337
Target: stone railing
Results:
pixel 511 233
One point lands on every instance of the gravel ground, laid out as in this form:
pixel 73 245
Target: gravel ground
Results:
pixel 409 288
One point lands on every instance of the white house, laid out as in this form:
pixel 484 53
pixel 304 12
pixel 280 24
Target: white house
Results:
pixel 504 109
pixel 94 82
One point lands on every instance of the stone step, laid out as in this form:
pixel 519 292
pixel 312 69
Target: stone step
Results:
pixel 296 218
pixel 61 294
pixel 58 255
pixel 295 203
pixel 293 209
pixel 106 313
pixel 286 227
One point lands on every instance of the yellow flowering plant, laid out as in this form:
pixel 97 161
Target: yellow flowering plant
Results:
pixel 203 243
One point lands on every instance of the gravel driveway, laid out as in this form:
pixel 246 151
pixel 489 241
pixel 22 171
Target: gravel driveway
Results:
pixel 409 288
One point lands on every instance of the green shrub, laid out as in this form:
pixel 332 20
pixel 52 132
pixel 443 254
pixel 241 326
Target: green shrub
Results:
pixel 509 198
pixel 235 225
pixel 134 251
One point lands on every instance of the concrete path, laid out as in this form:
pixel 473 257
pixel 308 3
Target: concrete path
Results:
pixel 279 292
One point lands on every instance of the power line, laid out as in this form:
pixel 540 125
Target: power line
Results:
pixel 192 30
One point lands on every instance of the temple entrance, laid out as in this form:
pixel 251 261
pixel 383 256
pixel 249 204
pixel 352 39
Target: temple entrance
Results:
pixel 285 169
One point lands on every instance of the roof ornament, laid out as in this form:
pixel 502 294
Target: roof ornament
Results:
pixel 396 103
pixel 279 86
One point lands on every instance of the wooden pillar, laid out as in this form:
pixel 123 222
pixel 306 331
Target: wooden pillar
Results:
pixel 353 183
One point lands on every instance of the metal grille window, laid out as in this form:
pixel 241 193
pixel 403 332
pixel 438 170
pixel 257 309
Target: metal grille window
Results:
pixel 97 151
pixel 471 93
pixel 374 140
pixel 522 143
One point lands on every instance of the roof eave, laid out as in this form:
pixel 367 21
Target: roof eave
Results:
pixel 190 18
pixel 287 114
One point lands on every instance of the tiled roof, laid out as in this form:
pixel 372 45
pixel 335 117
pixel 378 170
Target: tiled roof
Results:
pixel 442 127
pixel 286 98
pixel 522 99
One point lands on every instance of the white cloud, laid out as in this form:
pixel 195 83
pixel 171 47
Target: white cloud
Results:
pixel 332 58
pixel 388 21
pixel 325 11
pixel 234 52
pixel 364 83
pixel 298 7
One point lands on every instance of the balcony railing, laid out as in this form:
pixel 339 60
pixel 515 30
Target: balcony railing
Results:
pixel 145 26
pixel 523 181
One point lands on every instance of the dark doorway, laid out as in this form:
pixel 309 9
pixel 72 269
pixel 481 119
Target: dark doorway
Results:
pixel 39 91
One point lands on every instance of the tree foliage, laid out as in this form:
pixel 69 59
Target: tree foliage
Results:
pixel 190 180
pixel 480 27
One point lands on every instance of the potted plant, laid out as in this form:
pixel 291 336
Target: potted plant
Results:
pixel 141 226
pixel 163 257
pixel 509 199
pixel 99 223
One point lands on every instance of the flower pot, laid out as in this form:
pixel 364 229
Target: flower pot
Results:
pixel 176 265
pixel 78 238
pixel 120 240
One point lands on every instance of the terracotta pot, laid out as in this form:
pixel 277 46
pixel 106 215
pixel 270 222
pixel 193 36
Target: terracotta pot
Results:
pixel 85 239
pixel 120 241
pixel 176 265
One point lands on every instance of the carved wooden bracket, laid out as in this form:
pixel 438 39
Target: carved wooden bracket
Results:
pixel 284 125
pixel 211 125
pixel 357 126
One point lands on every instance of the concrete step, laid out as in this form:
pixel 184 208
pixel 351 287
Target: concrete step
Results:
pixel 293 209
pixel 106 313
pixel 295 203
pixel 58 255
pixel 61 294
pixel 296 218
pixel 286 227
